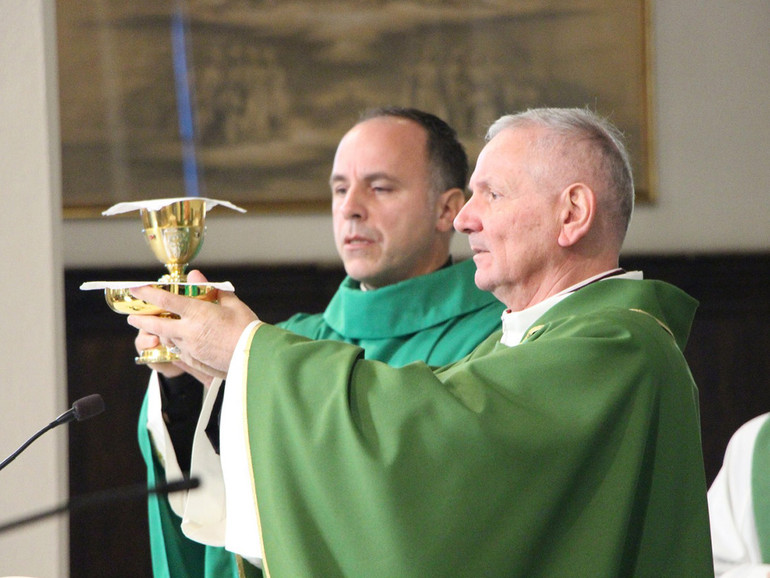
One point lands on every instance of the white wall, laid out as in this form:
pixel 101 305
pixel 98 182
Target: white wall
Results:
pixel 33 387
pixel 712 99
pixel 711 92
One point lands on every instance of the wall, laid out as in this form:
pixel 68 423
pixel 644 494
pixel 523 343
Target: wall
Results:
pixel 33 387
pixel 712 80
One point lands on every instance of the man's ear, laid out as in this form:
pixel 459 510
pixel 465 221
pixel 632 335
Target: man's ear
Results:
pixel 448 205
pixel 578 211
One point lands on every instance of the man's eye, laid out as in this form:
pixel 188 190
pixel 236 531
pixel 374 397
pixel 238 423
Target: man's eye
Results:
pixel 339 190
pixel 382 189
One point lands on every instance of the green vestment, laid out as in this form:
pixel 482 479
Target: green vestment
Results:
pixel 438 318
pixel 575 453
pixel 760 473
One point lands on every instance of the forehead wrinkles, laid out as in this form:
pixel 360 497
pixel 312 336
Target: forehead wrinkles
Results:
pixel 502 163
pixel 391 152
pixel 366 177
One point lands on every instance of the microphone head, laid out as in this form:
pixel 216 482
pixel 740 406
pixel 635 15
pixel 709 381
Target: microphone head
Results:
pixel 87 407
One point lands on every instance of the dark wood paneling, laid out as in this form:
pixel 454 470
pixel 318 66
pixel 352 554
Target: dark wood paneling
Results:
pixel 728 352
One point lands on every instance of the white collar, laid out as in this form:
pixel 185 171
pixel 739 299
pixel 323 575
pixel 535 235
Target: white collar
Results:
pixel 516 323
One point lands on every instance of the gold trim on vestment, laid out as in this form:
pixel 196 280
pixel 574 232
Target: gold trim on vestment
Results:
pixel 663 325
pixel 245 421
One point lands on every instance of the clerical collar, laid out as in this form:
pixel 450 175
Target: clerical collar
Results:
pixel 516 323
pixel 449 262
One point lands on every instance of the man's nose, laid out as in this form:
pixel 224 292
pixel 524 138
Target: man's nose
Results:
pixel 354 204
pixel 466 220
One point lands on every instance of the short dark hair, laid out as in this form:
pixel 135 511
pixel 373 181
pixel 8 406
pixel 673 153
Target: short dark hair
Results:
pixel 447 158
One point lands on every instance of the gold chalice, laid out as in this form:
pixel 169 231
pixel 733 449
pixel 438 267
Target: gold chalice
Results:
pixel 174 229
pixel 175 234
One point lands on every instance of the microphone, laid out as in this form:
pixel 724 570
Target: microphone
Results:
pixel 104 497
pixel 84 408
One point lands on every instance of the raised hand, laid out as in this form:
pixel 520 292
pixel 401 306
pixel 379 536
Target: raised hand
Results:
pixel 205 333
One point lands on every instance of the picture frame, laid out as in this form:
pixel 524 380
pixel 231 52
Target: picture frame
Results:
pixel 246 100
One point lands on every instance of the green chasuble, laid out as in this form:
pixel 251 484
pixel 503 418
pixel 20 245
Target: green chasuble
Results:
pixel 437 318
pixel 760 493
pixel 575 453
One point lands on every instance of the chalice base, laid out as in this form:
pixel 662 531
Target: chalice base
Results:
pixel 158 354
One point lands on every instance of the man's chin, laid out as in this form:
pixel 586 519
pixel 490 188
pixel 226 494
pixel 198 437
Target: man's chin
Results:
pixel 482 282
pixel 370 277
pixel 359 271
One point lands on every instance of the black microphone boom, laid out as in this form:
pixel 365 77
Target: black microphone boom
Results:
pixel 105 497
pixel 84 408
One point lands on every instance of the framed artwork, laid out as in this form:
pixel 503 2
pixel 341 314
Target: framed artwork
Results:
pixel 246 100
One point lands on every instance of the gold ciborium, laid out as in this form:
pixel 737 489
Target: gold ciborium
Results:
pixel 174 229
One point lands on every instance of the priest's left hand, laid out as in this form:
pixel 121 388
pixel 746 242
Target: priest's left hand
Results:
pixel 205 333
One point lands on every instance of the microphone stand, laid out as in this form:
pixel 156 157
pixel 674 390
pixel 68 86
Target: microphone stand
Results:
pixel 103 497
pixel 83 409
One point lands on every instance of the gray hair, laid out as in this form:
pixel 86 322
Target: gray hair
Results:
pixel 579 135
